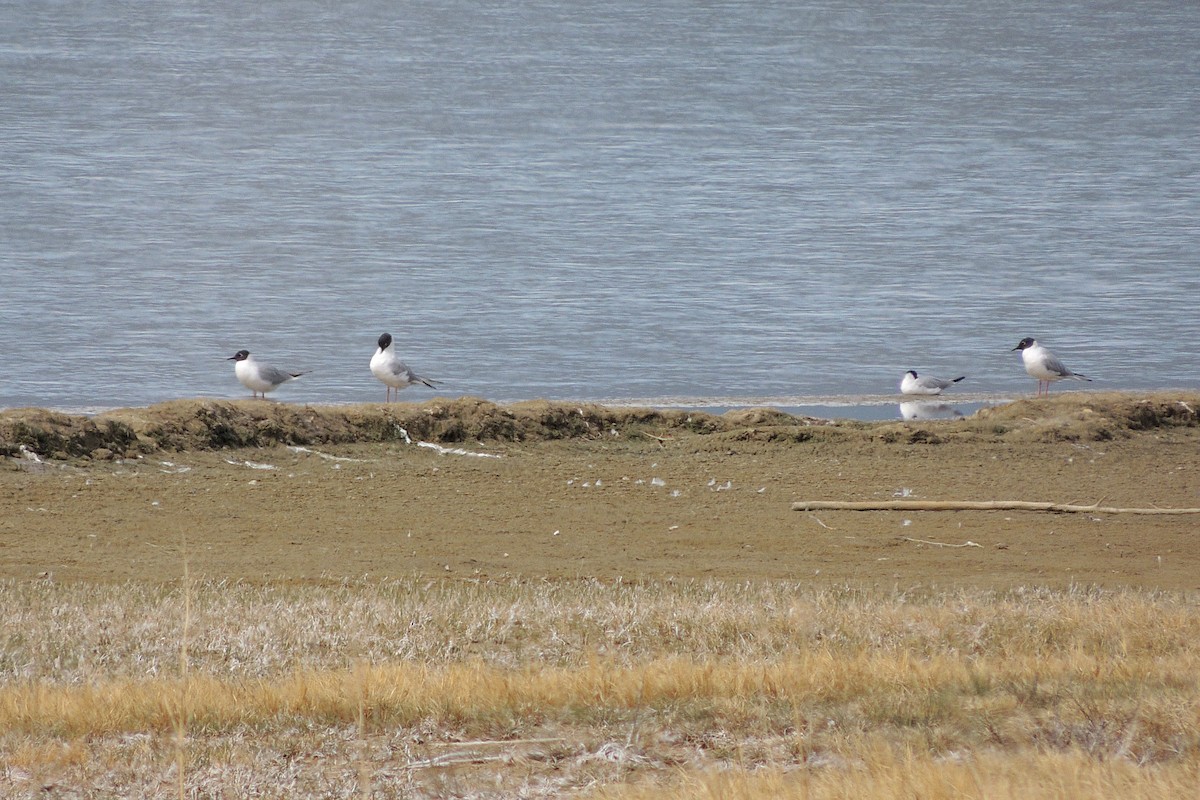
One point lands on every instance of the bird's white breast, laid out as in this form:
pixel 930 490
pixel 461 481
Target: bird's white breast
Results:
pixel 1035 364
pixel 383 365
pixel 911 385
pixel 247 372
pixel 378 363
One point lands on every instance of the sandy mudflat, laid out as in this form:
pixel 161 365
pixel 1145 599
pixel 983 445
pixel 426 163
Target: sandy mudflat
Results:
pixel 589 491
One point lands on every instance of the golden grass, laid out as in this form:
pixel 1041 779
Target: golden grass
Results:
pixel 878 689
pixel 883 774
pixel 692 689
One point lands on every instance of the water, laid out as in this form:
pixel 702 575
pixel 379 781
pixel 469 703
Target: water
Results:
pixel 625 201
pixel 860 408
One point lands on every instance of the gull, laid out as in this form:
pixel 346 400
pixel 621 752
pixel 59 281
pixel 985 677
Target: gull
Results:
pixel 915 384
pixel 259 378
pixel 1040 363
pixel 386 366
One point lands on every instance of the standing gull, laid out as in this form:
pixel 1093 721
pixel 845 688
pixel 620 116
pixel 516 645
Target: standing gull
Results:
pixel 916 384
pixel 1040 363
pixel 259 378
pixel 386 366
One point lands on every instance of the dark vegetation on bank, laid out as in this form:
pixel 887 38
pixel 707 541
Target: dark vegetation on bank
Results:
pixel 214 424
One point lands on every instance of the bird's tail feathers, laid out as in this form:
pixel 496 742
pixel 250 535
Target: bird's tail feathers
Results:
pixel 956 380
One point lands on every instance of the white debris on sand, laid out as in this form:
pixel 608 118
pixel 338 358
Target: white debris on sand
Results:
pixel 327 456
pixel 455 451
pixel 250 464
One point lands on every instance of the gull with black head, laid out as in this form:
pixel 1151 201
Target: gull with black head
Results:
pixel 395 374
pixel 925 384
pixel 258 377
pixel 1040 363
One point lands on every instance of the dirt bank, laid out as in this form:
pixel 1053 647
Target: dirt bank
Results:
pixel 270 491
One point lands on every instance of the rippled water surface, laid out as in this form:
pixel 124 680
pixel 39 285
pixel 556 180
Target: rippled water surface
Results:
pixel 625 200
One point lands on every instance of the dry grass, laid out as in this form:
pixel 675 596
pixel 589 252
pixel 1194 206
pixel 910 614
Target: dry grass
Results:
pixel 883 774
pixel 690 689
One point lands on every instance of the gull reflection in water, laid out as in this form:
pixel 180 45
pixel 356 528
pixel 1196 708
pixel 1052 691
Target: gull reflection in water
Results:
pixel 926 409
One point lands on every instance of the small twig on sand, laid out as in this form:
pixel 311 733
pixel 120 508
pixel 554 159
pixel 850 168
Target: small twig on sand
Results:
pixel 817 520
pixel 967 543
pixel 454 759
pixel 467 756
pixel 500 742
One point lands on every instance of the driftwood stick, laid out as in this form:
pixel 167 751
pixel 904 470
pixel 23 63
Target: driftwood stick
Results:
pixel 976 505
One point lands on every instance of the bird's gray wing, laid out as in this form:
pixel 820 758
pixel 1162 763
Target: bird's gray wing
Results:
pixel 275 375
pixel 400 369
pixel 1052 364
